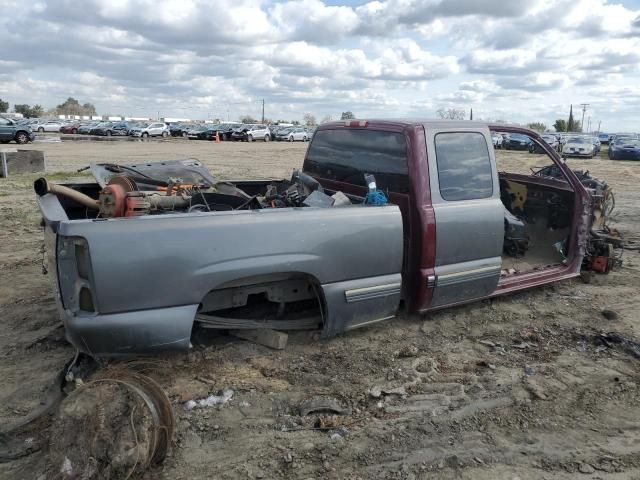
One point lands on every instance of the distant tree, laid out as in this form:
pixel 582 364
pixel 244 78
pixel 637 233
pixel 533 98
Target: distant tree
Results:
pixel 309 120
pixel 347 116
pixel 28 111
pixel 248 119
pixel 22 108
pixel 88 109
pixel 539 126
pixel 577 127
pixel 71 106
pixel 295 122
pixel 37 111
pixel 325 119
pixel 451 113
pixel 560 125
pixel 571 126
pixel 4 106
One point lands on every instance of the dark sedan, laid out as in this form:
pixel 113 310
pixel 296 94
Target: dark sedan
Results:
pixel 210 133
pixel 239 133
pixel 625 149
pixel 100 128
pixel 516 141
pixel 194 130
pixel 120 129
pixel 227 129
pixel 224 131
pixel 178 129
pixel 85 128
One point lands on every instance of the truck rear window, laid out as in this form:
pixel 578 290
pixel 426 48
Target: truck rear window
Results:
pixel 345 155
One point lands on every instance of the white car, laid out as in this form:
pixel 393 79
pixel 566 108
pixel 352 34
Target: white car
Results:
pixel 298 134
pixel 154 129
pixel 578 147
pixel 48 126
pixel 258 132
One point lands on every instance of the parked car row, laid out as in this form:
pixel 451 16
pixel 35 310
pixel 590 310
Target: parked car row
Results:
pixel 241 132
pixel 229 131
pixel 569 145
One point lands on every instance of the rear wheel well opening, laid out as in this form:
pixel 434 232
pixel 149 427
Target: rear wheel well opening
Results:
pixel 284 301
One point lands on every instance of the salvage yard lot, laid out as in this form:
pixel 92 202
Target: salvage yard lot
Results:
pixel 516 386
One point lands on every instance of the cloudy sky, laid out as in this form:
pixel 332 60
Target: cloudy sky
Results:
pixel 512 60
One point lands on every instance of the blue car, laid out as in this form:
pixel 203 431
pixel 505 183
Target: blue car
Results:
pixel 516 141
pixel 625 148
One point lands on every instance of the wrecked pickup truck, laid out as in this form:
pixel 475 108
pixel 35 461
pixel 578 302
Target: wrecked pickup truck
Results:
pixel 384 213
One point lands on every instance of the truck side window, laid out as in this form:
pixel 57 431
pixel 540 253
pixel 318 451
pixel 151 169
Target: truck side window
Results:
pixel 345 155
pixel 464 166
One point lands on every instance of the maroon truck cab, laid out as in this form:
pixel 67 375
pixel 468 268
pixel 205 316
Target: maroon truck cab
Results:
pixel 455 205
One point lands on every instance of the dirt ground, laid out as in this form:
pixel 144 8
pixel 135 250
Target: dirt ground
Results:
pixel 517 387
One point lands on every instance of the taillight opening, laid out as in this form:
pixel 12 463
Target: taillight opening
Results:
pixel 83 263
pixel 85 300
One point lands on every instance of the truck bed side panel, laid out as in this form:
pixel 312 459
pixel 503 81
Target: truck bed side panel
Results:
pixel 171 260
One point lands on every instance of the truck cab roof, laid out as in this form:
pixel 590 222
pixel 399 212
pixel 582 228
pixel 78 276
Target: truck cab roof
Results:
pixel 401 123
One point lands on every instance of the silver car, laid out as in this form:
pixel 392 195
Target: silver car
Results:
pixel 154 129
pixel 47 126
pixel 299 134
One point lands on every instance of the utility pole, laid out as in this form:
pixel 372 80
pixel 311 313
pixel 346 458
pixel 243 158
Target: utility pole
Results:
pixel 263 110
pixel 599 122
pixel 584 109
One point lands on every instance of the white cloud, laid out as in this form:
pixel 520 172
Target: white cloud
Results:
pixel 514 60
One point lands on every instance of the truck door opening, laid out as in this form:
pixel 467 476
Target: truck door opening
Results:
pixel 538 210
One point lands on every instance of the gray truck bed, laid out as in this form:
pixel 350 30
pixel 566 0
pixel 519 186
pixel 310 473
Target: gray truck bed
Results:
pixel 147 276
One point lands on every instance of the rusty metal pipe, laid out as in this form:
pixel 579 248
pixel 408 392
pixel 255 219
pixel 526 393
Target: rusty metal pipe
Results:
pixel 42 187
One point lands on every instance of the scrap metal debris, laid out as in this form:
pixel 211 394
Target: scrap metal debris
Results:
pixel 378 392
pixel 617 340
pixel 323 404
pixel 605 247
pixel 185 186
pixel 330 422
pixel 210 401
pixel 114 426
